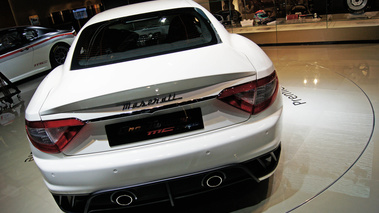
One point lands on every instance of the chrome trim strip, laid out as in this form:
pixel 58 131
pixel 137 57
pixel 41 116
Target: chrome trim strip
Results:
pixel 151 110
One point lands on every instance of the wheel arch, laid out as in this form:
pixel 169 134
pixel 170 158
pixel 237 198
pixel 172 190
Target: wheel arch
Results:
pixel 52 60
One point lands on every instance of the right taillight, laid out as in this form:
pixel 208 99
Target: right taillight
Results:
pixel 52 136
pixel 254 96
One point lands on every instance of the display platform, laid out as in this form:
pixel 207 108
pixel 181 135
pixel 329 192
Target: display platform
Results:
pixel 330 153
pixel 329 28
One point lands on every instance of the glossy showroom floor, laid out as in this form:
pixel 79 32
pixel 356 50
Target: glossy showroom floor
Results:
pixel 330 153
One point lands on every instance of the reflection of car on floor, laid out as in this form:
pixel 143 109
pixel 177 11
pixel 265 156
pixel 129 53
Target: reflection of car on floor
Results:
pixel 155 102
pixel 26 51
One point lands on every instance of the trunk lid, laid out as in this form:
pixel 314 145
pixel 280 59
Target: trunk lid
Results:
pixel 128 94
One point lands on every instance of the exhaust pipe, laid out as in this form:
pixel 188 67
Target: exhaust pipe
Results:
pixel 123 198
pixel 213 180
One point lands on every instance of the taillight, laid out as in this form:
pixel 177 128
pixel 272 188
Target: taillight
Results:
pixel 252 97
pixel 52 136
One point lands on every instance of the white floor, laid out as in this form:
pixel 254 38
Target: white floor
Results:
pixel 330 152
pixel 329 162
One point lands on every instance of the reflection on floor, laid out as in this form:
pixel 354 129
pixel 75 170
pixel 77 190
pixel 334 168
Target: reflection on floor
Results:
pixel 330 142
pixel 324 138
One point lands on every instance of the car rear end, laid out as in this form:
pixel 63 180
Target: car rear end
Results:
pixel 123 131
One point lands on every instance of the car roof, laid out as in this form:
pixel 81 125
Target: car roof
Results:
pixel 140 8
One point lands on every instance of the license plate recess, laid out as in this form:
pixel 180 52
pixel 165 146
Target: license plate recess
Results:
pixel 154 127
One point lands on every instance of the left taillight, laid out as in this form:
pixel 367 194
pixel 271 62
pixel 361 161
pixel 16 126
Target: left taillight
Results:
pixel 52 136
pixel 254 96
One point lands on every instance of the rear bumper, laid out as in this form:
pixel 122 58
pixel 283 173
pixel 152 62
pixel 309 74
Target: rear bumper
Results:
pixel 171 189
pixel 86 174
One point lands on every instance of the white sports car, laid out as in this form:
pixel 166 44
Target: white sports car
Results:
pixel 26 51
pixel 156 101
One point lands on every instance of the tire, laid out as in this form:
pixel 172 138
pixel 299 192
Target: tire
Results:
pixel 58 54
pixel 357 6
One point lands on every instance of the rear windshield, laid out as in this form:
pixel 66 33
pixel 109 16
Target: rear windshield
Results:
pixel 142 36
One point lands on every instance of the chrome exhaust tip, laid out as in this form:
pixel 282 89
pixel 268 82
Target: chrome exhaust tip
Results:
pixel 213 180
pixel 123 198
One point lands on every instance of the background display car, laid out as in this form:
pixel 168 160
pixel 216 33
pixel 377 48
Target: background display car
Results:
pixel 356 6
pixel 26 51
pixel 283 8
pixel 155 102
pixel 331 7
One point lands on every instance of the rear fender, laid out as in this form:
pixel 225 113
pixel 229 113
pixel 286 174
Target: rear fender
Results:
pixel 257 57
pixel 42 92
